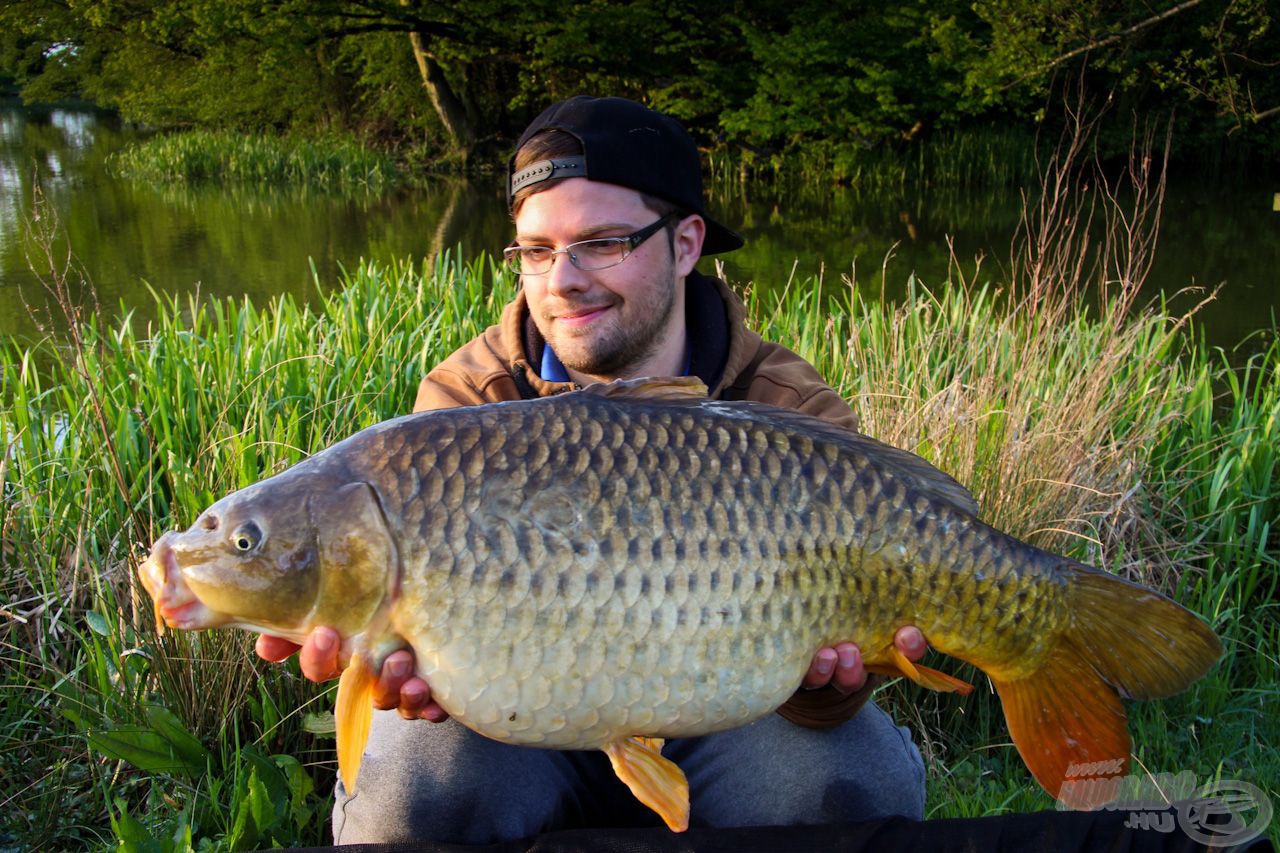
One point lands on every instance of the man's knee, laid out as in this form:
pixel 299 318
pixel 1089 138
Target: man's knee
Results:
pixel 773 772
pixel 891 777
pixel 443 782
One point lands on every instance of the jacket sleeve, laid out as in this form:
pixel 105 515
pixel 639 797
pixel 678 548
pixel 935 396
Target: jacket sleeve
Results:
pixel 443 388
pixel 473 375
pixel 826 707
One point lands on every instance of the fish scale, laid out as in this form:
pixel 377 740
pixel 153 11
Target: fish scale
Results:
pixel 636 561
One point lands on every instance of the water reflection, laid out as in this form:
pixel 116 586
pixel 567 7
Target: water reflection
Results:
pixel 261 242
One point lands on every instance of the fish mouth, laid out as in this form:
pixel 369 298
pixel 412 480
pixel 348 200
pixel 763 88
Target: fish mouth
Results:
pixel 175 604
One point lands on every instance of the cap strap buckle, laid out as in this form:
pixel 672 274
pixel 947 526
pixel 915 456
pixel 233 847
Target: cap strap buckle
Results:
pixel 562 167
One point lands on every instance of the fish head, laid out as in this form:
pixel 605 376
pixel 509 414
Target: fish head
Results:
pixel 279 557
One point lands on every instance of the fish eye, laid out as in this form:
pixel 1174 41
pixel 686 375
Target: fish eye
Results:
pixel 246 537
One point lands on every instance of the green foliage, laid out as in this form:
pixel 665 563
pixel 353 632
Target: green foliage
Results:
pixel 234 158
pixel 758 75
pixel 852 73
pixel 137 430
pixel 272 805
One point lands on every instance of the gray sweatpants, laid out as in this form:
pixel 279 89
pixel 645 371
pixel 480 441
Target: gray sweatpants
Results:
pixel 442 782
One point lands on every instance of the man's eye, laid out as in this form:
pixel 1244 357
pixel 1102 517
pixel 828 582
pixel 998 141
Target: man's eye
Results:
pixel 535 253
pixel 599 248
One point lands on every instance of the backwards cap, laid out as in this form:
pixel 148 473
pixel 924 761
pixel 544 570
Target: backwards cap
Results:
pixel 627 144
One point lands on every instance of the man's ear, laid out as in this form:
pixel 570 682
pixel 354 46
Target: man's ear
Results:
pixel 359 562
pixel 687 243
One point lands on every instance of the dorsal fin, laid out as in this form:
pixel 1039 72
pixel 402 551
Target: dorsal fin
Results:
pixel 917 472
pixel 922 474
pixel 651 388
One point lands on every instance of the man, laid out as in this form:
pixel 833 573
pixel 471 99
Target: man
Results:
pixel 607 200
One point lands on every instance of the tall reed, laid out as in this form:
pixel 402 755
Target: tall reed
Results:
pixel 978 157
pixel 335 163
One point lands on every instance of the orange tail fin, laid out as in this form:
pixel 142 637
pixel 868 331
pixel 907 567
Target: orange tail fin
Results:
pixel 1124 641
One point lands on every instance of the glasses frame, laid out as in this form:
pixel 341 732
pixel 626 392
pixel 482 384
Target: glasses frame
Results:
pixel 630 242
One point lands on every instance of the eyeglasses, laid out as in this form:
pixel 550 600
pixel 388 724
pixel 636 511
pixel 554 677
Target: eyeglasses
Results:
pixel 587 255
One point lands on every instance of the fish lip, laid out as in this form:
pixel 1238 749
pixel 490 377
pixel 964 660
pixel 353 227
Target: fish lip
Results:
pixel 187 615
pixel 175 603
pixel 158 570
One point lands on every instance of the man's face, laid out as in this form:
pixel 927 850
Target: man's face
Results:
pixel 605 323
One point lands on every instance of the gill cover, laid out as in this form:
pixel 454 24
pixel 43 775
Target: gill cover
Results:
pixel 359 562
pixel 360 575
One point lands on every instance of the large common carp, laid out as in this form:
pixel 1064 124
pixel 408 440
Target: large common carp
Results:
pixel 631 562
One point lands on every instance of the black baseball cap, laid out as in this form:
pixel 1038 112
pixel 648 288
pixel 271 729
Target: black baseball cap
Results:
pixel 627 144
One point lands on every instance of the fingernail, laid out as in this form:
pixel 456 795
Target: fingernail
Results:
pixel 825 666
pixel 848 657
pixel 398 667
pixel 323 641
pixel 412 692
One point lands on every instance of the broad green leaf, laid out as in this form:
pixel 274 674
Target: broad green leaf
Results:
pixel 97 623
pixel 260 805
pixel 143 748
pixel 185 745
pixel 319 723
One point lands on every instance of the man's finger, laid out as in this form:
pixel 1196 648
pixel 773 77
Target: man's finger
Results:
pixel 850 674
pixel 910 641
pixel 416 702
pixel 396 670
pixel 434 713
pixel 274 649
pixel 821 669
pixel 319 656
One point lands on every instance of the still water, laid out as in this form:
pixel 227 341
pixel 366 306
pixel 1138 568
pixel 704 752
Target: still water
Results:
pixel 255 242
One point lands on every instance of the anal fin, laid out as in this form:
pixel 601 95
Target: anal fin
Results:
pixel 655 781
pixel 353 715
pixel 902 666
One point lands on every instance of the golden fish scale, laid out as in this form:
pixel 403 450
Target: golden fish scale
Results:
pixel 582 570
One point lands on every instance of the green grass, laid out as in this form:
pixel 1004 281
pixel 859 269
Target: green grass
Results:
pixel 977 157
pixel 1105 433
pixel 334 163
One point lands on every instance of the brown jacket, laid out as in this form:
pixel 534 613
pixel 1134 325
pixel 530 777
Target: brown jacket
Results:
pixel 503 364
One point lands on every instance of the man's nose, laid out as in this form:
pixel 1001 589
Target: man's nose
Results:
pixel 564 277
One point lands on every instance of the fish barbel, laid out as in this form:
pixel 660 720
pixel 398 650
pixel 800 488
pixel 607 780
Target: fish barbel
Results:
pixel 634 561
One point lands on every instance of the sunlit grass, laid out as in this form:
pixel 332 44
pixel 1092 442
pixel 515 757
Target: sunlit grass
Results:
pixel 337 163
pixel 1107 434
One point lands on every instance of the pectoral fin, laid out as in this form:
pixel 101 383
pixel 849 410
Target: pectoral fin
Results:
pixel 353 715
pixel 922 675
pixel 656 782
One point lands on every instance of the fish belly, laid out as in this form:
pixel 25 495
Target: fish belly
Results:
pixel 560 668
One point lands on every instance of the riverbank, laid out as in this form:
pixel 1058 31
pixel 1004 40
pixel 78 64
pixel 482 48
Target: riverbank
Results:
pixel 1112 436
pixel 331 162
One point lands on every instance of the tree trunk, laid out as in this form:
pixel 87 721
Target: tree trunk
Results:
pixel 448 106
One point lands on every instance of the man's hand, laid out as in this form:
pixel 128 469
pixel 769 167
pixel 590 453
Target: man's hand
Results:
pixel 397 686
pixel 842 666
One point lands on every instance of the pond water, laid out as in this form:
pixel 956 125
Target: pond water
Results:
pixel 257 242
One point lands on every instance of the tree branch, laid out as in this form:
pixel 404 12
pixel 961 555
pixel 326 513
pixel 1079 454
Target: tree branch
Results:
pixel 1111 39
